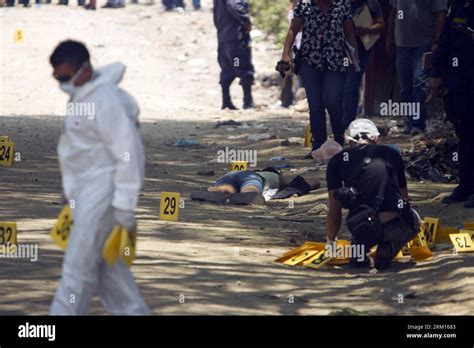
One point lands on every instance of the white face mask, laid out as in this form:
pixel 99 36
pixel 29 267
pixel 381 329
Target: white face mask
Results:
pixel 69 86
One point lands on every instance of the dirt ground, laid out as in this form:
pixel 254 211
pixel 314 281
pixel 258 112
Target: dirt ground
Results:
pixel 220 258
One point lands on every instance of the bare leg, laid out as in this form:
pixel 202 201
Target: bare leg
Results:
pixel 250 188
pixel 225 188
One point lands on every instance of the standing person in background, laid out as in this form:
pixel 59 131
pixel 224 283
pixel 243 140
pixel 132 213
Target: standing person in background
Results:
pixel 322 64
pixel 287 83
pixel 414 28
pixel 455 84
pixel 354 78
pixel 234 54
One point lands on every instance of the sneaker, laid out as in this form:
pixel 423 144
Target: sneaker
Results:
pixel 457 196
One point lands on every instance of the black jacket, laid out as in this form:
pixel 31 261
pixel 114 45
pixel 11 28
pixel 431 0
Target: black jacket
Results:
pixel 454 58
pixel 229 18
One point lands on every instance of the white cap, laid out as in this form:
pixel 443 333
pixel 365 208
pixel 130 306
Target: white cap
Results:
pixel 363 129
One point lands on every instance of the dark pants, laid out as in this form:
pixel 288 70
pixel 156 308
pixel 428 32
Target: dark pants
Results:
pixel 412 78
pixel 458 105
pixel 352 86
pixel 325 91
pixel 397 233
pixel 235 61
pixel 170 4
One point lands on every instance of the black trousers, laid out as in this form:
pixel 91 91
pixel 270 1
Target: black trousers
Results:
pixel 460 111
pixel 235 61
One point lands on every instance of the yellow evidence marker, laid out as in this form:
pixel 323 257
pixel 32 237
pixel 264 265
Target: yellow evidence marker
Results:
pixel 462 241
pixel 7 234
pixel 4 139
pixel 419 249
pixel 431 227
pixel 317 260
pixel 19 36
pixel 443 235
pixel 169 206
pixel 121 243
pixel 62 229
pixel 6 153
pixel 238 166
pixel 307 136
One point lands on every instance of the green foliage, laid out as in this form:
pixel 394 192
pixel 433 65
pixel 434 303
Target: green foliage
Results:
pixel 271 16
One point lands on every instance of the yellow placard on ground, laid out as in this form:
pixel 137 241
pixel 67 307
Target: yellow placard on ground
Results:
pixel 111 249
pixel 7 233
pixel 307 136
pixel 63 227
pixel 318 260
pixel 430 229
pixel 299 258
pixel 462 241
pixel 306 246
pixel 443 235
pixel 7 153
pixel 169 206
pixel 238 166
pixel 4 139
pixel 128 246
pixel 19 36
pixel 468 225
pixel 421 253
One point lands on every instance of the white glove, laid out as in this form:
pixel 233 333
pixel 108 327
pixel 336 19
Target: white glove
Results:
pixel 125 219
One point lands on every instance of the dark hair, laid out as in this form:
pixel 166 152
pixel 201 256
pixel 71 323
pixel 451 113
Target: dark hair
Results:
pixel 73 52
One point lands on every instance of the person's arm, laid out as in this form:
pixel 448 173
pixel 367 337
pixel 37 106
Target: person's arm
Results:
pixel 350 36
pixel 390 40
pixel 239 10
pixel 376 28
pixel 334 217
pixel 440 18
pixel 295 27
pixel 120 134
pixel 440 61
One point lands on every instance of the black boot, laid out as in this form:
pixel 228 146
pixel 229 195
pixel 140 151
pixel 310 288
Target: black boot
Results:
pixel 248 100
pixel 226 100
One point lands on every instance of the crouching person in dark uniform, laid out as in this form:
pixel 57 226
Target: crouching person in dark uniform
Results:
pixel 452 78
pixel 233 25
pixel 369 180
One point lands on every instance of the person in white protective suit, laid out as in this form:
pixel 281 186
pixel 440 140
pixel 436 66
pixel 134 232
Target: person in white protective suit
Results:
pixel 101 157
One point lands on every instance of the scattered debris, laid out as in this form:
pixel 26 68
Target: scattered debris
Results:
pixel 278 158
pixel 433 156
pixel 258 137
pixel 287 142
pixel 227 123
pixel 319 209
pixel 186 143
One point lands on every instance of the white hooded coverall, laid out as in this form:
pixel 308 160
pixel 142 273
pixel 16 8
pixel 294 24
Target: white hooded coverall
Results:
pixel 102 164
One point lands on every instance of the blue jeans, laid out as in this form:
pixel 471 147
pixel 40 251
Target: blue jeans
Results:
pixel 352 86
pixel 241 179
pixel 325 91
pixel 412 78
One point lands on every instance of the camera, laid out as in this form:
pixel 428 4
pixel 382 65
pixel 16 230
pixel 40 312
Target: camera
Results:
pixel 347 196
